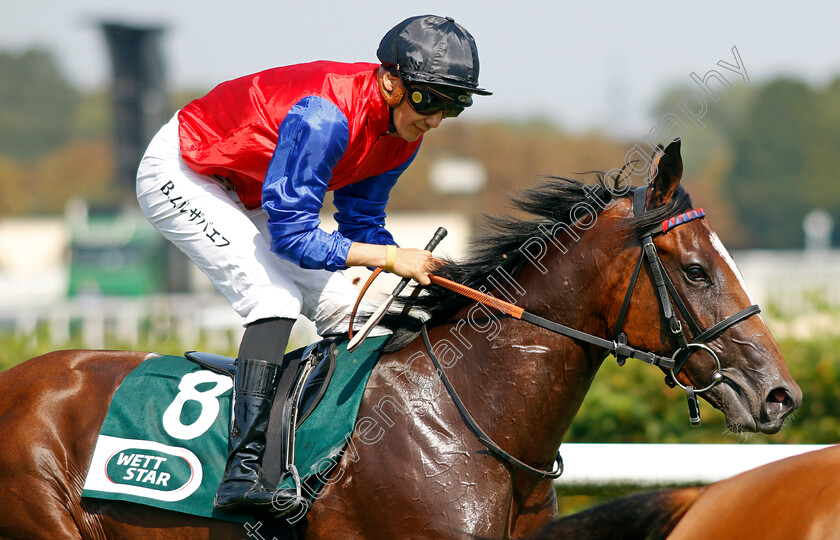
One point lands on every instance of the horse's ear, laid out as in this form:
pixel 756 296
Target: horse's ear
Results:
pixel 666 169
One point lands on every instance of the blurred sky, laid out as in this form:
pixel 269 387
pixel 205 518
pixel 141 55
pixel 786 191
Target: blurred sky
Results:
pixel 580 64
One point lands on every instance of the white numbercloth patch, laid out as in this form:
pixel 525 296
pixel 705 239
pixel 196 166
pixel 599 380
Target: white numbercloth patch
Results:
pixel 125 455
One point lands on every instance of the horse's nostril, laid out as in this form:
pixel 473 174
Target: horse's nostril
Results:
pixel 779 395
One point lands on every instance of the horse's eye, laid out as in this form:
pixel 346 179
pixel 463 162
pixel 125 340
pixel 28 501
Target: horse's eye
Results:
pixel 695 272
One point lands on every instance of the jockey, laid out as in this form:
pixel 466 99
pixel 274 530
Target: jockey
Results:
pixel 237 179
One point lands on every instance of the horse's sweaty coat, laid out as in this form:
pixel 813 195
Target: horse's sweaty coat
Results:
pixel 426 475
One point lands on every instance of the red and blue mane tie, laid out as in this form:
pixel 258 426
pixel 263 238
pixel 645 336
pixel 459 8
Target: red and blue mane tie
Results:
pixel 668 224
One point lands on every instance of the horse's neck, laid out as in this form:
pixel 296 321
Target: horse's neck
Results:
pixel 523 382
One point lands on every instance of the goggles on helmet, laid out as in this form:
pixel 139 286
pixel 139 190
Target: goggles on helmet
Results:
pixel 426 100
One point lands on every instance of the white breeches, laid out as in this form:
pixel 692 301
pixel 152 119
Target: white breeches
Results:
pixel 230 244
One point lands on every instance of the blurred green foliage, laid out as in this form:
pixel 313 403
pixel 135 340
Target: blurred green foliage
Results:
pixel 55 140
pixel 18 347
pixel 632 404
pixel 37 104
pixel 786 161
pixel 766 155
pixel 15 349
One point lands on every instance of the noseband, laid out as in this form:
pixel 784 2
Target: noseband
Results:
pixel 665 293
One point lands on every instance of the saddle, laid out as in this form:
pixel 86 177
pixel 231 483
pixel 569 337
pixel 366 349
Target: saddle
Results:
pixel 313 367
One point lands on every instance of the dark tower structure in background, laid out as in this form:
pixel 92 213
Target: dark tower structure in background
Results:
pixel 115 251
pixel 138 95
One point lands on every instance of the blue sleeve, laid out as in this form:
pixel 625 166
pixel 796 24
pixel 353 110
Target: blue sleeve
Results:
pixel 311 139
pixel 361 207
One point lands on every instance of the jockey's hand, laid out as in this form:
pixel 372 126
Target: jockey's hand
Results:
pixel 416 264
pixel 407 262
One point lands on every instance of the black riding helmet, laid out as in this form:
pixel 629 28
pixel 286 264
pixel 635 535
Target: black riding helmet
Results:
pixel 435 51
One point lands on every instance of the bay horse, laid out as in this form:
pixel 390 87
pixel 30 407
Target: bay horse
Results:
pixel 796 497
pixel 419 471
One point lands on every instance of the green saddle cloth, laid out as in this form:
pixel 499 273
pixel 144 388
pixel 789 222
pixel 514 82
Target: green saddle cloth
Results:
pixel 164 442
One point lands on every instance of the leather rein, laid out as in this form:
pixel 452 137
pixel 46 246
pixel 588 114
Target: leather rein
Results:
pixel 667 297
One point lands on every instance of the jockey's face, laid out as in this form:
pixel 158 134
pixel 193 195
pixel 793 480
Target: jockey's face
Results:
pixel 410 124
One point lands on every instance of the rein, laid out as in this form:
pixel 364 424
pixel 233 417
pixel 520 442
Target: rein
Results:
pixel 517 312
pixel 476 429
pixel 665 293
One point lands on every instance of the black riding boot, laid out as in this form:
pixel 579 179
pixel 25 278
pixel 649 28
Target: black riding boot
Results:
pixel 255 381
pixel 242 487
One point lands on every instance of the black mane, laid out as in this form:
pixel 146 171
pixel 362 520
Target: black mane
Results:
pixel 552 203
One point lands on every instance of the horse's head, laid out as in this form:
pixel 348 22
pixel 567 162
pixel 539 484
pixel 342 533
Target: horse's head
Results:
pixel 685 307
pixel 723 339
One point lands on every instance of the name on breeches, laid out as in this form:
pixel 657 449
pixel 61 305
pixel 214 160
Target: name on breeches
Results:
pixel 143 468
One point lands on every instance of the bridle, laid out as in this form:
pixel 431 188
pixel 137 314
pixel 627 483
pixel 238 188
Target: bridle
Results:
pixel 666 295
pixel 666 292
